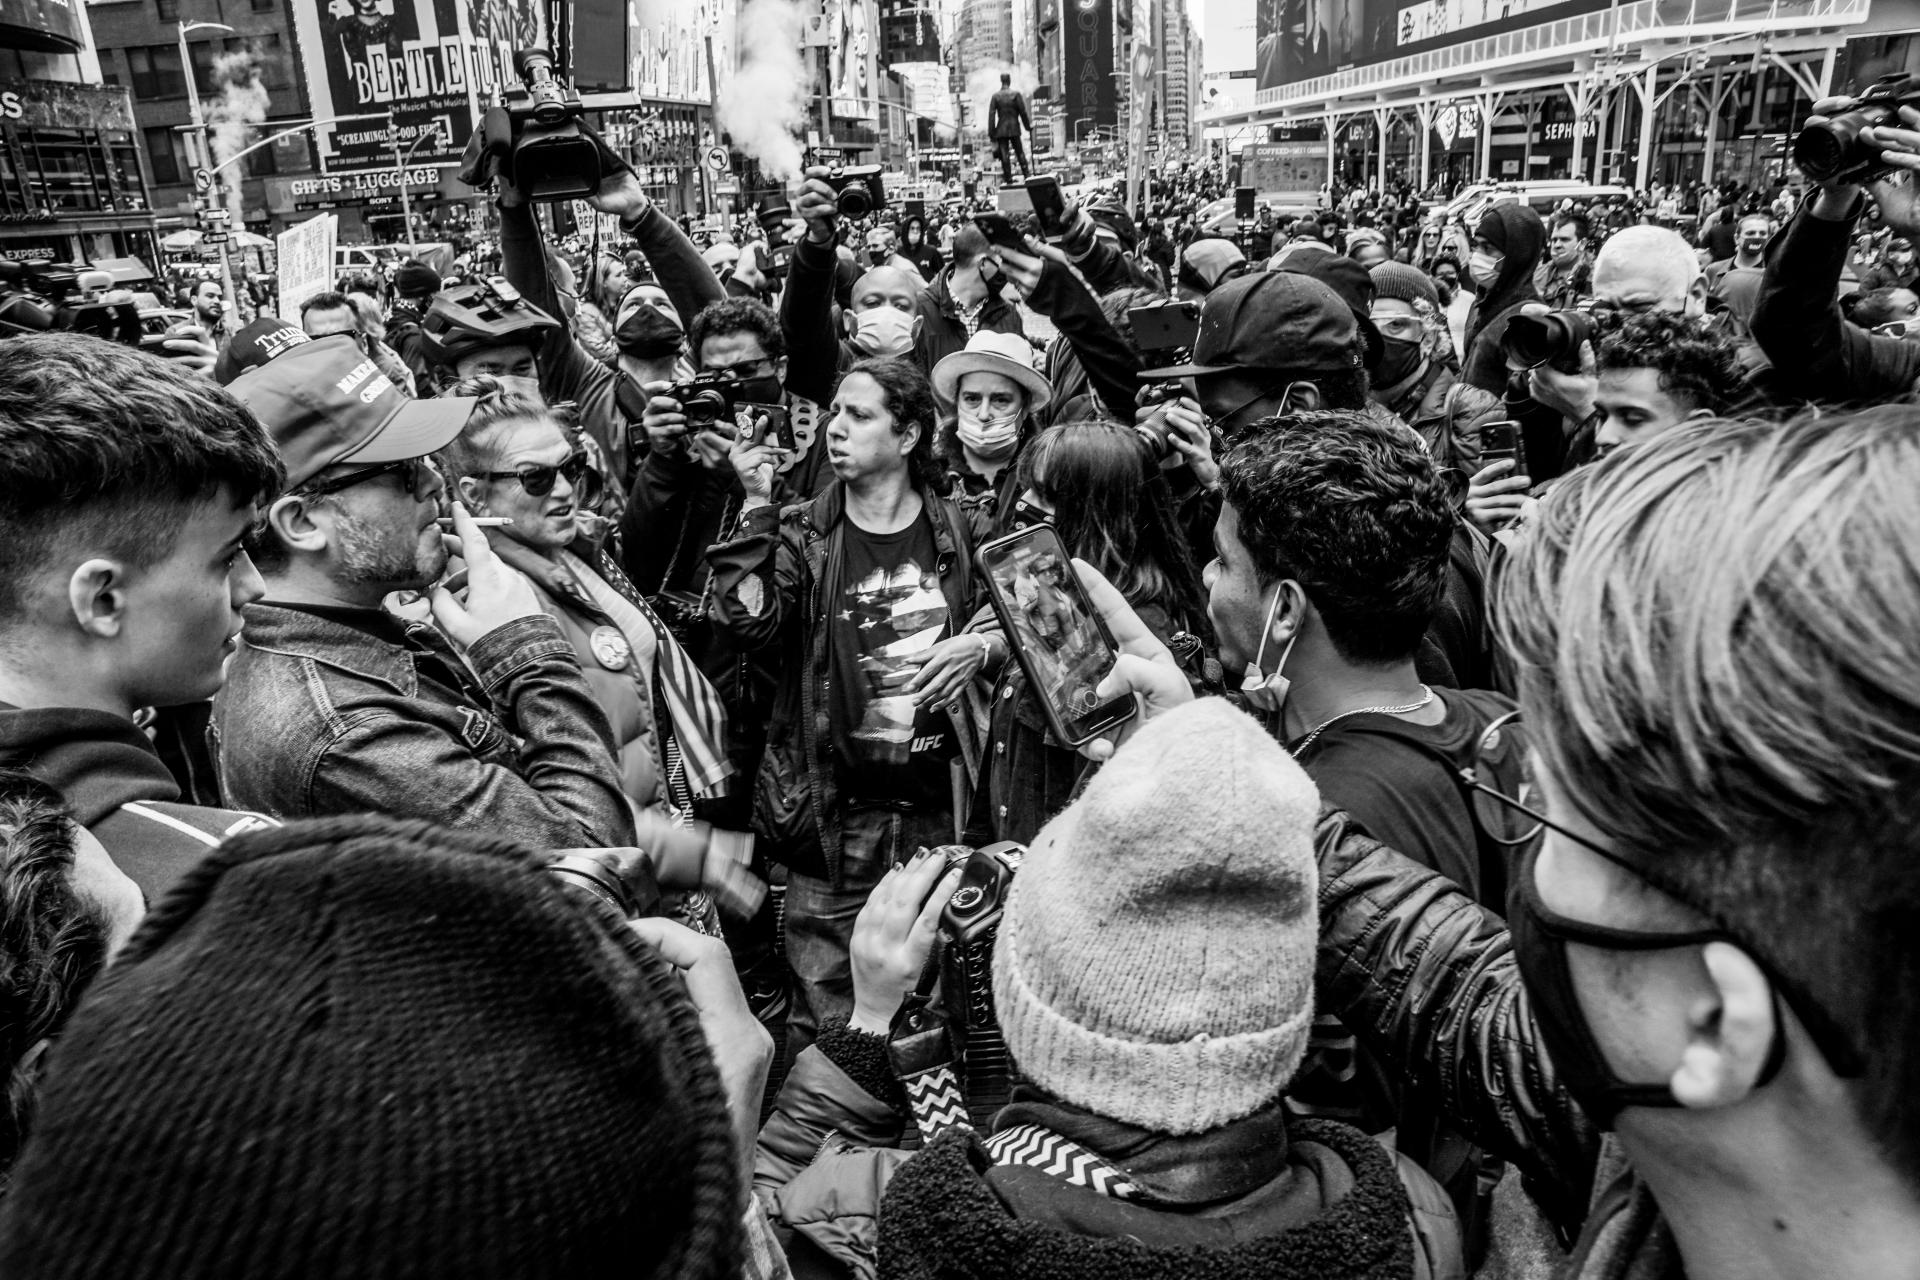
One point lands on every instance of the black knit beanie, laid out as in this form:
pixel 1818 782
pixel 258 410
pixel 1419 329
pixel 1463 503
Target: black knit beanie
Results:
pixel 364 1048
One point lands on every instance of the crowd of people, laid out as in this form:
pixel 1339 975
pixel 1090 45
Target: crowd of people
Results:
pixel 495 771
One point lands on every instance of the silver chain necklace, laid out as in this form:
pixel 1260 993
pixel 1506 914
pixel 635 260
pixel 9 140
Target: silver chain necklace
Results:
pixel 1426 696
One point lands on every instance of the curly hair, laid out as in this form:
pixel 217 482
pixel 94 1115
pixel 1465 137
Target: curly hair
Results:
pixel 1697 364
pixel 53 941
pixel 1112 508
pixel 737 315
pixel 908 398
pixel 1356 512
pixel 473 451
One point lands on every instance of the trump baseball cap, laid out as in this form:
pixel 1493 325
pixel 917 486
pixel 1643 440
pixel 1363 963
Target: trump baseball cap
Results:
pixel 326 402
pixel 1272 320
pixel 254 346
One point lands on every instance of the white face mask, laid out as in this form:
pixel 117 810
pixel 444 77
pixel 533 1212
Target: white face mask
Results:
pixel 521 386
pixel 989 437
pixel 1264 693
pixel 1485 267
pixel 884 331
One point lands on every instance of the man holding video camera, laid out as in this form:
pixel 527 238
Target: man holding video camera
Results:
pixel 1816 353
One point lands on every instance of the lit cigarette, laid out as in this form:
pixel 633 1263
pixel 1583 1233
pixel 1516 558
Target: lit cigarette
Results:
pixel 485 522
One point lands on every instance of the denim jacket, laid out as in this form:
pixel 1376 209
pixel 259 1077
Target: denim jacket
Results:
pixel 766 593
pixel 320 716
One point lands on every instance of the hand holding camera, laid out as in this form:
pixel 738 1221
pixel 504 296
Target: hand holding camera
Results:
pixel 814 203
pixel 663 420
pixel 1173 423
pixel 1872 140
pixel 894 935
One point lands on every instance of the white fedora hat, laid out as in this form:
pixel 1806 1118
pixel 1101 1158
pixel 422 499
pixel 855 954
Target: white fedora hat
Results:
pixel 1007 354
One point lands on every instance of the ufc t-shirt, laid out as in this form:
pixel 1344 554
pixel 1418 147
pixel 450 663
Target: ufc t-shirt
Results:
pixel 890 612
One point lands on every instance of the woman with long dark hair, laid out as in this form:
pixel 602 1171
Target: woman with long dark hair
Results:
pixel 1102 490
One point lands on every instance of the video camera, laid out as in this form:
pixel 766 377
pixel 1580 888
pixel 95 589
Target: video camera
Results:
pixel 1834 150
pixel 552 157
pixel 857 189
pixel 69 297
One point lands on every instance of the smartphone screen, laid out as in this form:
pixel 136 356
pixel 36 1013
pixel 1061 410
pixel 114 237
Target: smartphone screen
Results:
pixel 1503 440
pixel 1165 325
pixel 999 229
pixel 1063 646
pixel 1049 206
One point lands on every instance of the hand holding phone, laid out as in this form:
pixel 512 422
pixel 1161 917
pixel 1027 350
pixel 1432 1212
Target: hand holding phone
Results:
pixel 1062 642
pixel 999 230
pixel 1049 205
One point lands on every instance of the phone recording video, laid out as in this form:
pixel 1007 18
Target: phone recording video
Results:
pixel 1062 643
pixel 999 230
pixel 1049 205
pixel 1165 326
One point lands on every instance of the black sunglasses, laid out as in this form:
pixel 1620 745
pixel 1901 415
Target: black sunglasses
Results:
pixel 539 481
pixel 1511 822
pixel 416 473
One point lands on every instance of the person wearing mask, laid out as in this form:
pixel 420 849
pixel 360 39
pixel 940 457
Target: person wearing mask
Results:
pixel 1102 490
pixel 1413 379
pixel 963 300
pixel 989 395
pixel 917 249
pixel 867 592
pixel 1152 976
pixel 126 487
pixel 649 340
pixel 1457 298
pixel 1565 277
pixel 1699 970
pixel 1895 270
pixel 1507 246
pixel 414 284
pixel 882 318
pixel 334 705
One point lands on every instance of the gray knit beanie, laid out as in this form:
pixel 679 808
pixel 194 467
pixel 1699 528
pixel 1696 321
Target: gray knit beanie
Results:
pixel 1155 965
pixel 1409 284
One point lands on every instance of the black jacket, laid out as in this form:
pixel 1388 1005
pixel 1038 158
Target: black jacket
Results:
pixel 943 332
pixel 1817 354
pixel 1007 114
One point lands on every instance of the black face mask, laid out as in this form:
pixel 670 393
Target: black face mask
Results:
pixel 1399 359
pixel 647 333
pixel 1540 939
pixel 761 390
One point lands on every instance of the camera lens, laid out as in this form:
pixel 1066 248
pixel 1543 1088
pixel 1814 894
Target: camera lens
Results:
pixel 1821 149
pixel 704 408
pixel 853 203
pixel 1538 340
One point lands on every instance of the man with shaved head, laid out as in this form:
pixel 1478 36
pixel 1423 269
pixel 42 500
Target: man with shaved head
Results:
pixel 881 317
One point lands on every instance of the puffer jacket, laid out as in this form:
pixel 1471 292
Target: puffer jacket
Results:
pixel 1427 979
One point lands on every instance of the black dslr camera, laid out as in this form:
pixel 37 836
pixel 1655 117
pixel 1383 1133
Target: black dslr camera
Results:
pixel 968 925
pixel 707 398
pixel 1833 150
pixel 43 296
pixel 553 157
pixel 1553 339
pixel 857 190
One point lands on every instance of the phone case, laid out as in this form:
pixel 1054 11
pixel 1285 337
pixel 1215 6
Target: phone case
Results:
pixel 1117 710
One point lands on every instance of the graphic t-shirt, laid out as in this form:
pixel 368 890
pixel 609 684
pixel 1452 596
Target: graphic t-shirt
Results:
pixel 890 612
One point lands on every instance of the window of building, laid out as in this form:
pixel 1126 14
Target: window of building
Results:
pixel 169 10
pixel 65 172
pixel 163 156
pixel 156 71
pixel 262 6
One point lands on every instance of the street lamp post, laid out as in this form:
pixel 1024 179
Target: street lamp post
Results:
pixel 400 174
pixel 203 154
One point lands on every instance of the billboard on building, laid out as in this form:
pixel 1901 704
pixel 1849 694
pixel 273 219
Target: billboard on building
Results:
pixel 1300 39
pixel 851 68
pixel 1231 35
pixel 428 62
pixel 670 48
pixel 1088 87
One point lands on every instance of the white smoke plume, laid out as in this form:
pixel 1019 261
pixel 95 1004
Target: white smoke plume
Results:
pixel 764 105
pixel 984 82
pixel 242 103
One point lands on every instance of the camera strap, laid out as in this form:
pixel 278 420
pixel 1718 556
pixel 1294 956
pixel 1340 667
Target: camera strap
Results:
pixel 920 1051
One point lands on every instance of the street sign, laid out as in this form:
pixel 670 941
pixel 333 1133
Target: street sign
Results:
pixel 215 237
pixel 718 160
pixel 202 181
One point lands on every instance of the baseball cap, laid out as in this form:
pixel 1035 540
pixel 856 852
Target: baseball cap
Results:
pixel 1346 277
pixel 254 345
pixel 1271 320
pixel 326 401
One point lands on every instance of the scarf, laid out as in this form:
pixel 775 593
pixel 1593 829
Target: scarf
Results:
pixel 699 718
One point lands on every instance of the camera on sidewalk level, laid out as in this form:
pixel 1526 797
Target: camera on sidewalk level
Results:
pixel 1553 339
pixel 857 189
pixel 1834 150
pixel 553 158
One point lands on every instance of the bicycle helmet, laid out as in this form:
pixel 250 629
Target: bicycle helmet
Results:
pixel 476 317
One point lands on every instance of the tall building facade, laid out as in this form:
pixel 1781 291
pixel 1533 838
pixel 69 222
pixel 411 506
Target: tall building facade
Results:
pixel 72 187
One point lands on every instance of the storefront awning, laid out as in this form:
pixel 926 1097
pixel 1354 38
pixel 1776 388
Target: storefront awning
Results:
pixel 124 270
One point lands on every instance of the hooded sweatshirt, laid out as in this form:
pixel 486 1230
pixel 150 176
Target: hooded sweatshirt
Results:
pixel 118 788
pixel 1517 232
